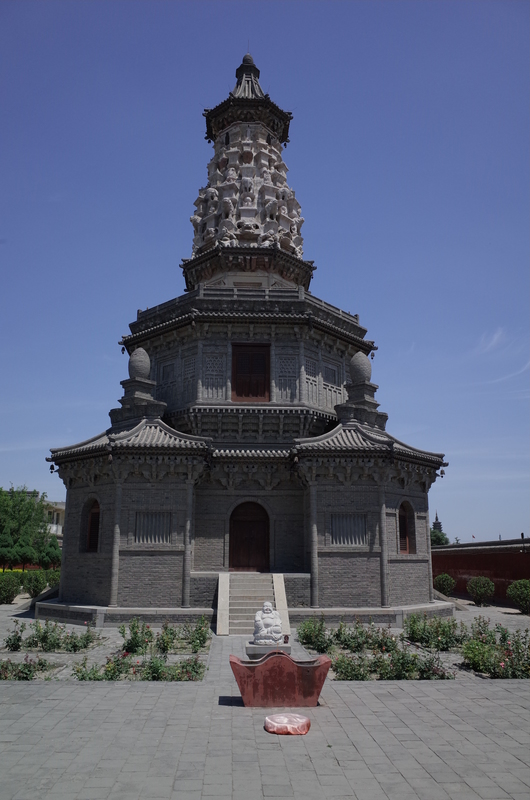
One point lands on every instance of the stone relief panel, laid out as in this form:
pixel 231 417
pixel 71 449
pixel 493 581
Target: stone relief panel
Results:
pixel 214 377
pixel 189 379
pixel 311 377
pixel 286 378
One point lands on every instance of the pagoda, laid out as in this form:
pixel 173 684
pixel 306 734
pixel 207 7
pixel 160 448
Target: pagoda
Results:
pixel 248 438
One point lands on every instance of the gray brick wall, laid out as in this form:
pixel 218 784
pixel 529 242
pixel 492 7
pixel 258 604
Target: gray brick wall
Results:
pixel 408 580
pixel 297 589
pixel 203 591
pixel 150 579
pixel 349 579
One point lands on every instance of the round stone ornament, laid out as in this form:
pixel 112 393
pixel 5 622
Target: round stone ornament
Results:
pixel 285 724
pixel 139 364
pixel 360 368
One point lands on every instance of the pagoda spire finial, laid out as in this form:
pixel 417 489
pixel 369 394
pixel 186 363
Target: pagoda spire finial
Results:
pixel 247 85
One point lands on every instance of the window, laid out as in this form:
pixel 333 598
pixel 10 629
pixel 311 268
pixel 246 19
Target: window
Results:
pixel 92 540
pixel 348 529
pixel 251 373
pixel 407 532
pixel 330 374
pixel 153 527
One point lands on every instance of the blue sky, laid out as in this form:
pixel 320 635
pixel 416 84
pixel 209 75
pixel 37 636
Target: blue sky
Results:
pixel 409 155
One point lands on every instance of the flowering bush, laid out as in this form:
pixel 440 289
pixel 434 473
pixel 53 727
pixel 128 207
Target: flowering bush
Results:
pixel 25 671
pixel 436 633
pixel 312 633
pixel 138 638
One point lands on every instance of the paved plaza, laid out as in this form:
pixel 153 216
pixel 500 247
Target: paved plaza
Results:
pixel 466 739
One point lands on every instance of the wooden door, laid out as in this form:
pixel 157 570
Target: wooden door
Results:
pixel 249 539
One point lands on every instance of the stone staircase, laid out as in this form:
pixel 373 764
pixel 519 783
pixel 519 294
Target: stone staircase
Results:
pixel 248 592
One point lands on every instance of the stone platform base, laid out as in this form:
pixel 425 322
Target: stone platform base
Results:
pixel 102 616
pixel 394 615
pixel 254 651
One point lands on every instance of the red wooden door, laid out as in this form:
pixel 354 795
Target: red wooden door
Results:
pixel 249 538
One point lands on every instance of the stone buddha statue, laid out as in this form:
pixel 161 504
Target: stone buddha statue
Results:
pixel 267 626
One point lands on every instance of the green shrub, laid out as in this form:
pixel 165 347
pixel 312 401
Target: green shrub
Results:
pixel 348 668
pixel 478 655
pixel 25 671
pixel 53 576
pixel 138 638
pixel 444 583
pixel 35 582
pixel 13 640
pixel 432 669
pixel 155 668
pixel 167 639
pixel 84 673
pixel 197 635
pixel 437 633
pixel 480 589
pixel 9 586
pixel 518 593
pixel 48 636
pixel 481 631
pixel 312 633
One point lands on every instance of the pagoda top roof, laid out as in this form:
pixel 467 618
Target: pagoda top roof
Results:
pixel 247 102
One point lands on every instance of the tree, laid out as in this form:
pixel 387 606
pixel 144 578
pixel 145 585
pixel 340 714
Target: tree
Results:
pixel 24 534
pixel 438 538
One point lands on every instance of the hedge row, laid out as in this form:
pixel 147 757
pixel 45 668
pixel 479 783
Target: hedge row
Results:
pixel 33 582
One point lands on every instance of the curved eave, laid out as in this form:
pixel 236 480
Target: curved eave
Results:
pixel 359 441
pixel 246 104
pixel 366 346
pixel 152 435
pixel 251 453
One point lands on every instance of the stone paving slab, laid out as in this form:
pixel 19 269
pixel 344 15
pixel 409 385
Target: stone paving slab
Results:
pixel 416 740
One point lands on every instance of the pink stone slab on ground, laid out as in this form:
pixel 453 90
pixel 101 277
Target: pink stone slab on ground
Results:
pixel 294 724
pixel 278 680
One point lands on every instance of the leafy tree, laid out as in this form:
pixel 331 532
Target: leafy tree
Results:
pixel 438 538
pixel 24 535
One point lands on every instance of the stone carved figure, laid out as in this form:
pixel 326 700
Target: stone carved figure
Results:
pixel 231 175
pixel 212 198
pixel 267 626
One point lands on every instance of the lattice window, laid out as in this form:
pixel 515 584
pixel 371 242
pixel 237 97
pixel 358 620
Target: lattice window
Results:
pixel 189 368
pixel 286 378
pixel 286 367
pixel 310 368
pixel 153 527
pixel 348 530
pixel 214 381
pixel 214 365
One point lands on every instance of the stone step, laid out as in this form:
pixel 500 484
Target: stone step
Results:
pixel 252 597
pixel 249 603
pixel 251 587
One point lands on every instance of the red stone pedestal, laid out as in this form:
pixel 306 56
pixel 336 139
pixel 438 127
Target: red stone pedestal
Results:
pixel 278 680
